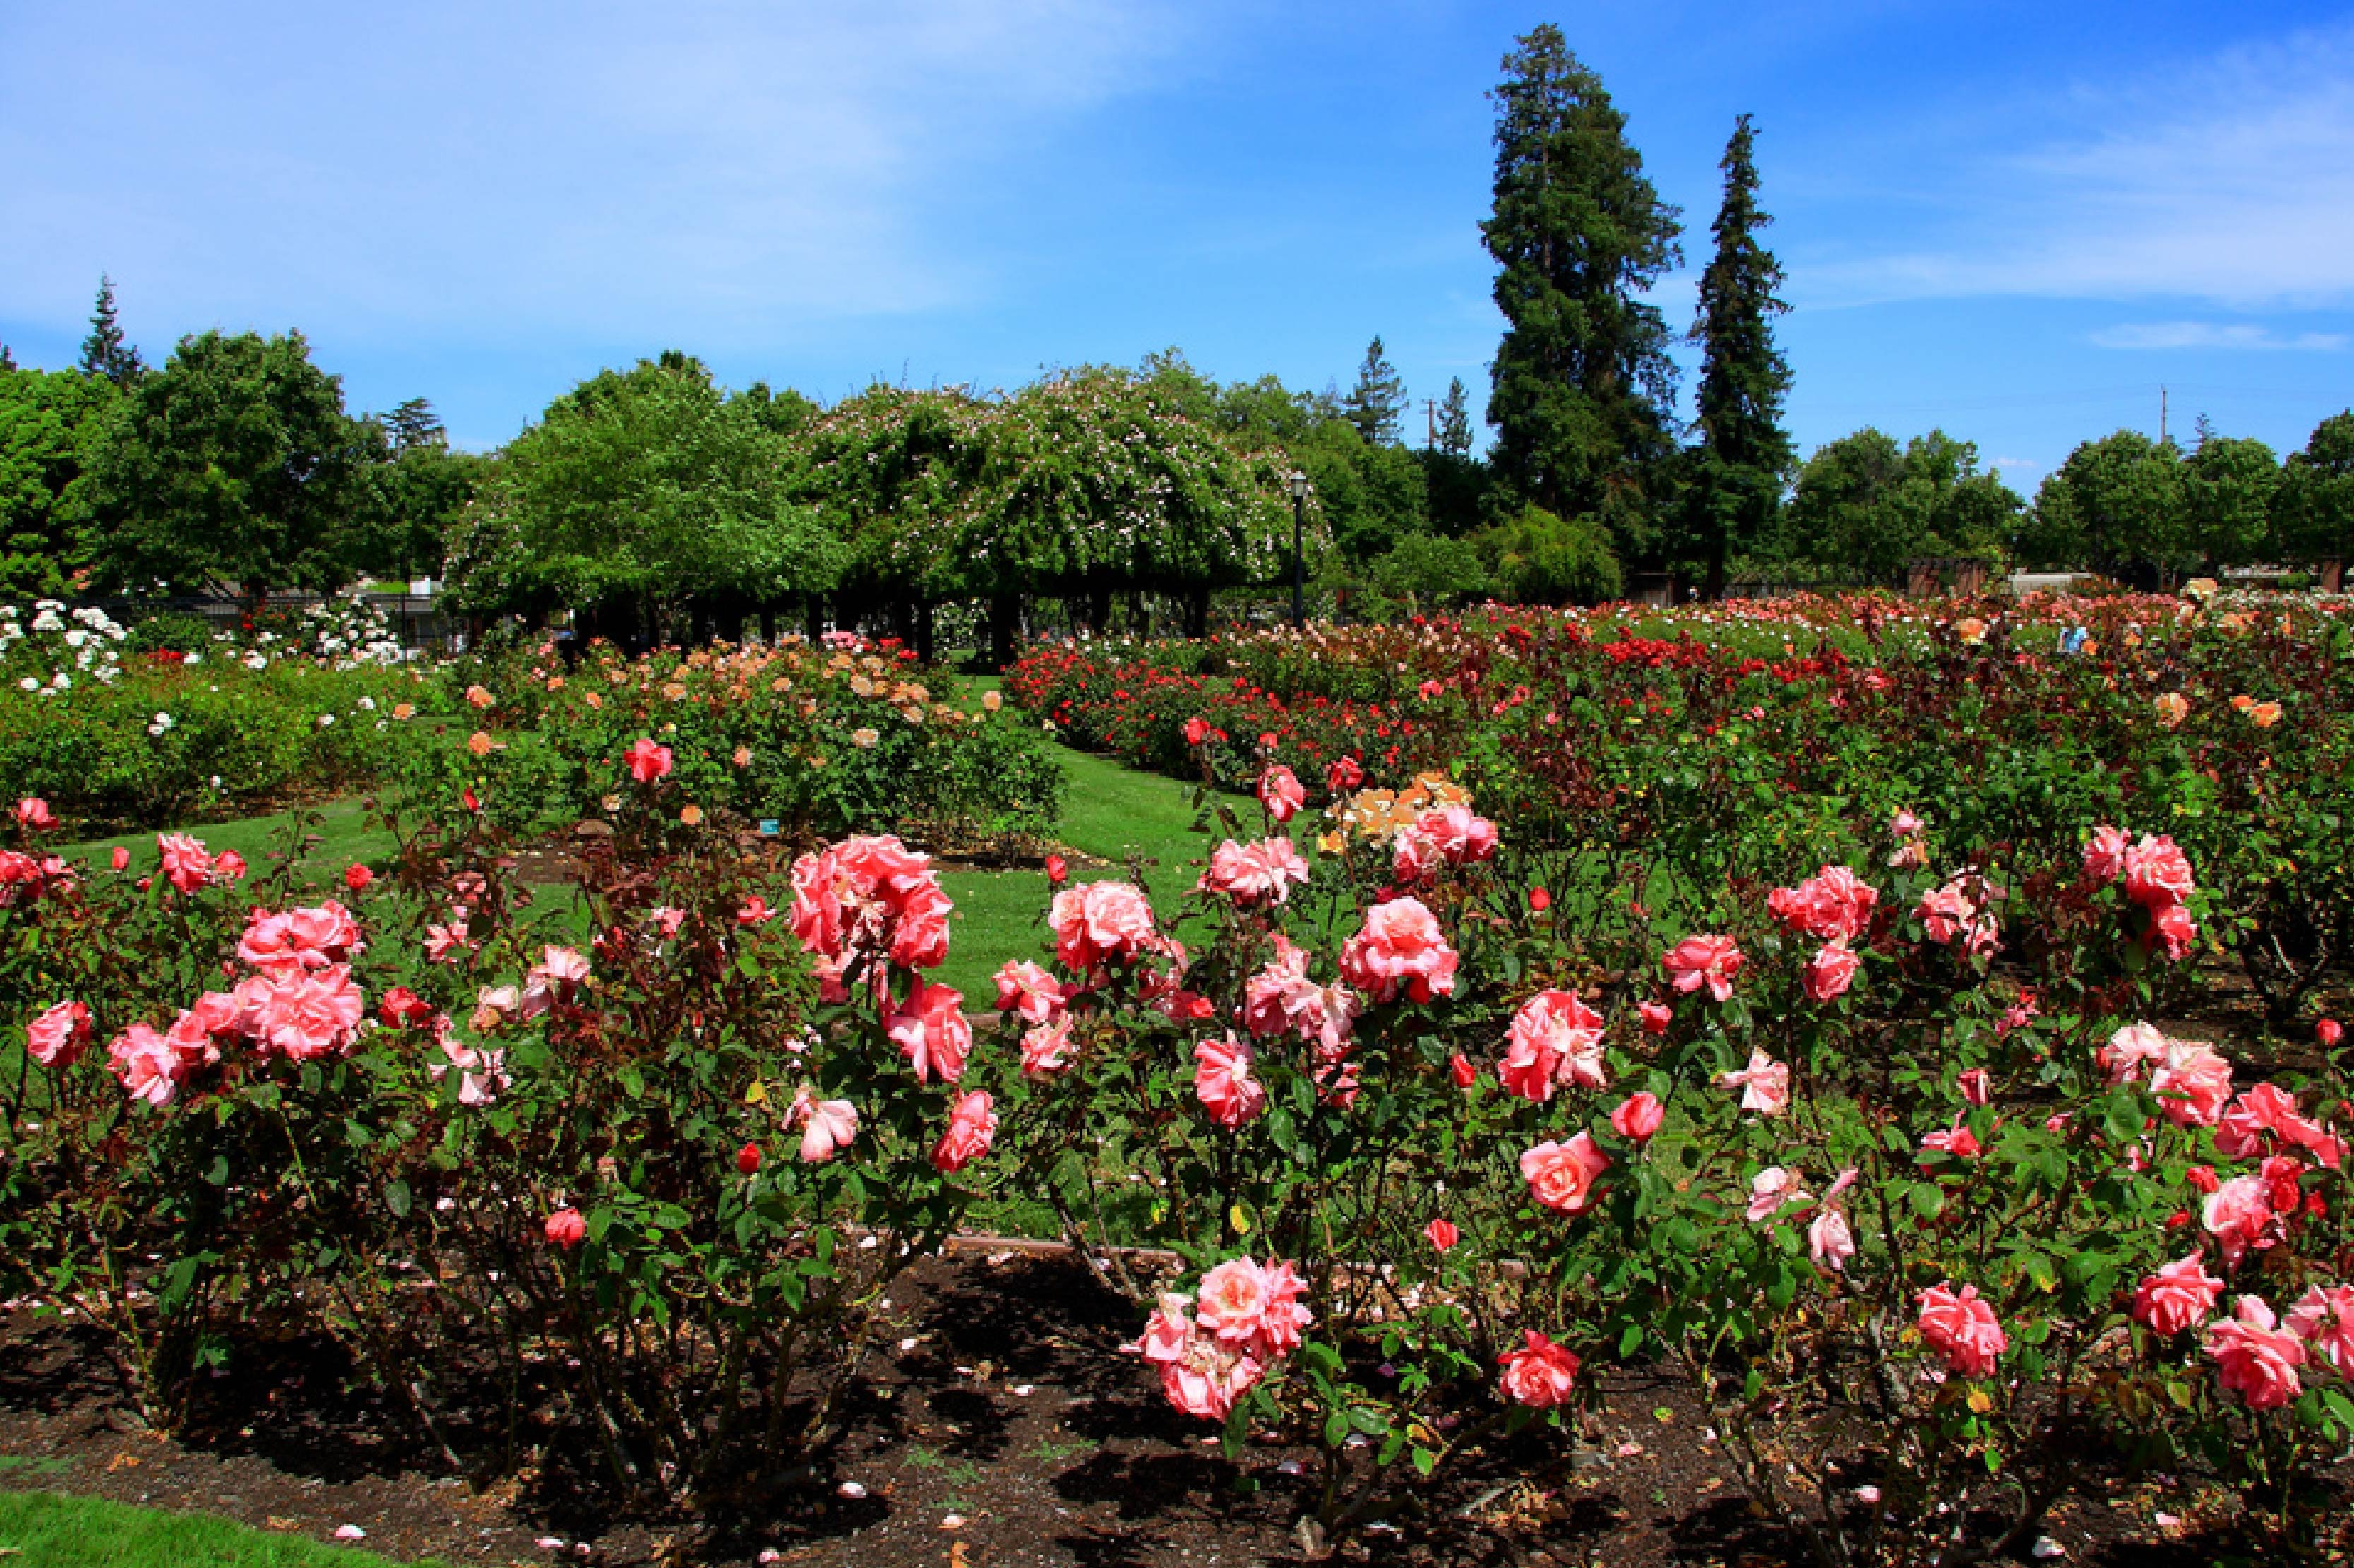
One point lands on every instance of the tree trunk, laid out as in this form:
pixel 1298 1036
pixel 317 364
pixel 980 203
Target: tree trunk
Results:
pixel 923 647
pixel 1005 627
pixel 1197 612
pixel 813 611
pixel 1099 610
pixel 769 622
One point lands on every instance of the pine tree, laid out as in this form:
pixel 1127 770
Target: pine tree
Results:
pixel 7 360
pixel 1376 403
pixel 1743 451
pixel 1454 420
pixel 103 351
pixel 1583 390
pixel 415 424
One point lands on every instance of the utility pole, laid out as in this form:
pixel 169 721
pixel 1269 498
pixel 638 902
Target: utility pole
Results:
pixel 2161 415
pixel 1429 422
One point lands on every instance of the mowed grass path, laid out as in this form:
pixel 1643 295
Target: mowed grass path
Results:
pixel 45 1530
pixel 1111 815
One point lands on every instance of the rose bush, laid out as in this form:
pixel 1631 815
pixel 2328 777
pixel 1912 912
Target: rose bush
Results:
pixel 1906 1239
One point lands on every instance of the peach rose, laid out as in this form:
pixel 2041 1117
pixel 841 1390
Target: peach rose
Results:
pixel 1540 1375
pixel 2177 1296
pixel 1561 1176
pixel 2255 1357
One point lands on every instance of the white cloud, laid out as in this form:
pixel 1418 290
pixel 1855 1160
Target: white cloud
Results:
pixel 2016 463
pixel 2229 181
pixel 734 171
pixel 2212 335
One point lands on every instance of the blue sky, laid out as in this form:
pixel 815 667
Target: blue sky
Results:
pixel 2013 221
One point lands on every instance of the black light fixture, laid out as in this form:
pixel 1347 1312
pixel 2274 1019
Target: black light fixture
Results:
pixel 1300 490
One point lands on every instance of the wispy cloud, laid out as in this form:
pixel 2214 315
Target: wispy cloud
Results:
pixel 681 174
pixel 2213 334
pixel 2227 181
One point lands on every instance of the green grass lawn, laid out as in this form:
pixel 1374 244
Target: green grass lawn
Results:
pixel 47 1530
pixel 1110 815
pixel 344 830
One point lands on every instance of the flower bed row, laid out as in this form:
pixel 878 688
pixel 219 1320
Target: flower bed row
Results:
pixel 1429 1140
pixel 1689 744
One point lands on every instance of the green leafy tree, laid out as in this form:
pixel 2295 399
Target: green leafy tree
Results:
pixel 1539 559
pixel 640 493
pixel 1376 402
pixel 2313 508
pixel 1454 420
pixel 1863 507
pixel 104 352
pixel 2115 505
pixel 47 420
pixel 1583 389
pixel 2228 483
pixel 234 468
pixel 1427 572
pixel 1745 453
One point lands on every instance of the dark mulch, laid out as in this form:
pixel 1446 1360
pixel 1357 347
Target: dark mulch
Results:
pixel 1001 1425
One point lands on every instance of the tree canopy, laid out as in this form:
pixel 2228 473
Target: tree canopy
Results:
pixel 233 469
pixel 1584 389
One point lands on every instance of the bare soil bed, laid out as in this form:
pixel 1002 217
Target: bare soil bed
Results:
pixel 999 1425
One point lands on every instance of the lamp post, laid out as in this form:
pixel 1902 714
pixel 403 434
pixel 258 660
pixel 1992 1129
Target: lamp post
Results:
pixel 1300 489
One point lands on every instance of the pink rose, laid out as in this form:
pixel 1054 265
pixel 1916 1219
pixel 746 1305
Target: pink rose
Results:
pixel 1026 989
pixel 357 876
pixel 32 812
pixel 1833 906
pixel 566 1228
pixel 1280 792
pixel 2324 1319
pixel 1400 949
pixel 1044 1048
pixel 2175 931
pixel 2129 1050
pixel 1828 1241
pixel 309 939
pixel 310 1015
pixel 2177 1296
pixel 1711 961
pixel 2255 1357
pixel 1222 1081
pixel 2267 1114
pixel 1765 1084
pixel 1199 1374
pixel 2193 1085
pixel 147 1064
pixel 647 762
pixel 1769 1190
pixel 1254 1309
pixel 827 1126
pixel 2238 1214
pixel 869 898
pixel 1540 1375
pixel 1553 1038
pixel 1343 776
pixel 1281 998
pixel 2157 873
pixel 120 859
pixel 1638 1116
pixel 1961 1328
pixel 442 943
pixel 2104 853
pixel 562 966
pixel 972 1126
pixel 1976 1085
pixel 1829 973
pixel 58 1037
pixel 1561 1176
pixel 2327 1031
pixel 1262 873
pixel 930 1031
pixel 187 865
pixel 1957 1141
pixel 1949 915
pixel 228 866
pixel 1655 1016
pixel 1101 924
pixel 1461 837
pixel 1442 1234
